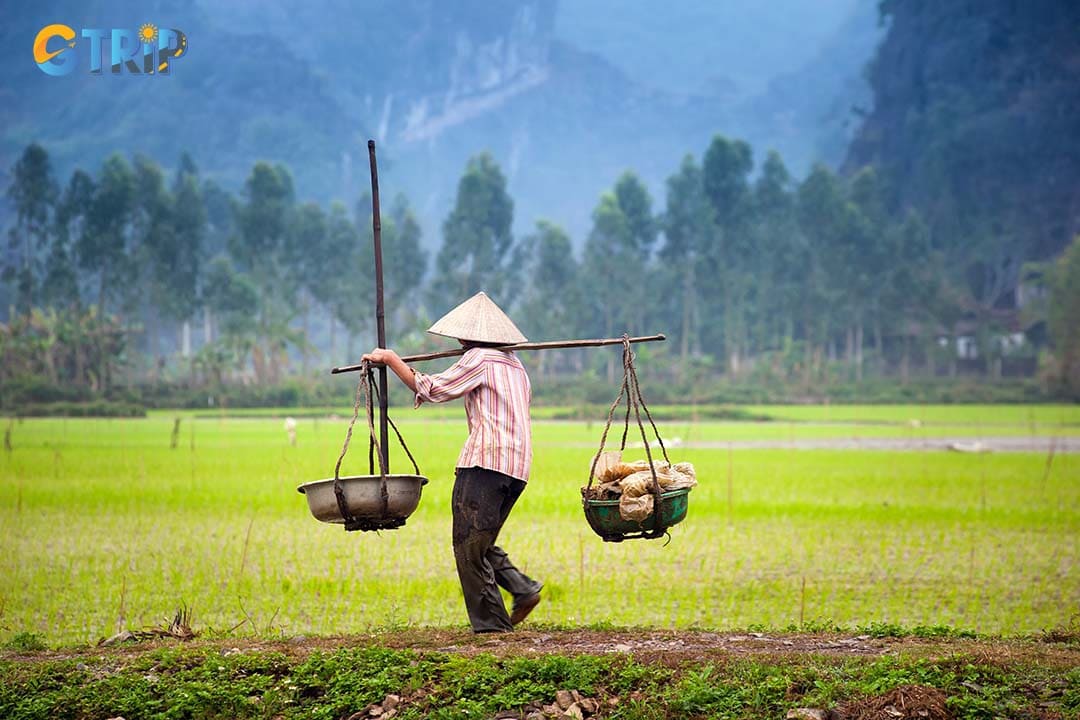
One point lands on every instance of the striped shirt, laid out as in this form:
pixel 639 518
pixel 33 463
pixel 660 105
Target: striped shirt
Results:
pixel 497 394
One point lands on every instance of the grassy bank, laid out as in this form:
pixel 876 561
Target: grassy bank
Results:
pixel 439 674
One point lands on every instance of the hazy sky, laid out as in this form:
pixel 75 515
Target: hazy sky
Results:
pixel 745 41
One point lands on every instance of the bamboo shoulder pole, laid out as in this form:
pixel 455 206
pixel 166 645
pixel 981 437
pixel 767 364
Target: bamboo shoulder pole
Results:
pixel 552 345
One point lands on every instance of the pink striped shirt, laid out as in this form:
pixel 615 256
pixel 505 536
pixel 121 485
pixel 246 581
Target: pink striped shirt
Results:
pixel 497 395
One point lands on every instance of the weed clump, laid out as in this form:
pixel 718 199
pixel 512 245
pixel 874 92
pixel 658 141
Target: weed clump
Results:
pixel 26 642
pixel 1068 633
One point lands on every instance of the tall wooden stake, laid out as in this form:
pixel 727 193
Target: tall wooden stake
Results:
pixel 380 313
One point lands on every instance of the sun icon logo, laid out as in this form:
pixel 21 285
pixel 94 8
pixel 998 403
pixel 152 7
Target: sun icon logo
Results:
pixel 148 33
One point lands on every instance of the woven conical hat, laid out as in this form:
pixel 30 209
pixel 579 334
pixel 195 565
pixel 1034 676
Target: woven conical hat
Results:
pixel 478 319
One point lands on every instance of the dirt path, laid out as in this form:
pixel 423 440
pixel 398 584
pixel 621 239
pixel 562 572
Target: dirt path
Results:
pixel 1061 444
pixel 682 645
pixel 679 646
pixel 1012 444
pixel 670 647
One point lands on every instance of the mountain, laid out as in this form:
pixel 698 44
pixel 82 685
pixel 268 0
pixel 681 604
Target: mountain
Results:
pixel 562 104
pixel 974 123
pixel 811 114
pixel 693 47
pixel 233 99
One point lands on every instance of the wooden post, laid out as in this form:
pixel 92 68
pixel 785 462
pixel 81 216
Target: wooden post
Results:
pixel 380 313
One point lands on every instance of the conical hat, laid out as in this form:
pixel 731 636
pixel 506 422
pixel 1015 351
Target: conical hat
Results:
pixel 478 319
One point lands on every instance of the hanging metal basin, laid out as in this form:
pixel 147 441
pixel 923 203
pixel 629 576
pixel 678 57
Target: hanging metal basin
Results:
pixel 605 520
pixel 363 498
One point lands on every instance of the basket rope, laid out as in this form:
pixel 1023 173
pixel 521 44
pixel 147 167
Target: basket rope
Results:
pixel 631 389
pixel 366 392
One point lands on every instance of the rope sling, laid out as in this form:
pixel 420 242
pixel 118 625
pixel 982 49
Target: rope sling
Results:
pixel 631 390
pixel 366 392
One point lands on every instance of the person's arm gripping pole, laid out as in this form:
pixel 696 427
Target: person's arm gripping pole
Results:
pixel 392 360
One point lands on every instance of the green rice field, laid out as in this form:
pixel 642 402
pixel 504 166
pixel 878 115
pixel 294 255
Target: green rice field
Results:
pixel 107 527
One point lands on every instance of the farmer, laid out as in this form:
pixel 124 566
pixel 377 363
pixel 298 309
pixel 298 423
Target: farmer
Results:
pixel 493 467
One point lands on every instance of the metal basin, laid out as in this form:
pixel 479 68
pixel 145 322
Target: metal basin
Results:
pixel 605 520
pixel 362 497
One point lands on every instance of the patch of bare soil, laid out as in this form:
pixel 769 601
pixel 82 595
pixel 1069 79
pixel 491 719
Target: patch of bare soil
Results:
pixel 907 702
pixel 670 646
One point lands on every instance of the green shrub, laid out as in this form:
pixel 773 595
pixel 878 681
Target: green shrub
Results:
pixel 96 408
pixel 36 390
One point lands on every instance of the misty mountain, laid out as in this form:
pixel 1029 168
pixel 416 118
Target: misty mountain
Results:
pixel 563 105
pixel 735 46
pixel 813 112
pixel 974 125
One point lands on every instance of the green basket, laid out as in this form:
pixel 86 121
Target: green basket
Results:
pixel 604 518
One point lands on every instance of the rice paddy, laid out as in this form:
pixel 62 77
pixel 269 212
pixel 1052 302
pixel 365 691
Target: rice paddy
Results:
pixel 107 526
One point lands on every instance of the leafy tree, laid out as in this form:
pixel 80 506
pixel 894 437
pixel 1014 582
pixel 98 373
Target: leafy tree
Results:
pixel 642 227
pixel 636 205
pixel 779 259
pixel 615 261
pixel 33 193
pixel 233 296
pixel 404 261
pixel 260 247
pixel 1062 317
pixel 824 220
pixel 189 222
pixel 106 247
pixel 308 258
pixel 155 245
pixel 263 221
pixel 61 286
pixel 617 253
pixel 345 279
pixel 911 289
pixel 610 266
pixel 350 288
pixel 688 229
pixel 234 300
pixel 477 240
pixel 551 299
pixel 726 167
pixel 870 262
pixel 221 213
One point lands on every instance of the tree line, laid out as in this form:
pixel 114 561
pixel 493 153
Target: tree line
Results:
pixel 235 279
pixel 748 270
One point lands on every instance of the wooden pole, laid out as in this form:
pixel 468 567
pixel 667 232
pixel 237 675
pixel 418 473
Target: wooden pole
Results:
pixel 553 345
pixel 380 312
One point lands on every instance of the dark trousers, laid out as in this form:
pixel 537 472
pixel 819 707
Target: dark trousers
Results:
pixel 481 502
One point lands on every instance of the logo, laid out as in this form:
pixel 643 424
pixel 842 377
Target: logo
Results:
pixel 150 50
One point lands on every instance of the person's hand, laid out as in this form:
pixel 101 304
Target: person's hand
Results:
pixel 381 356
pixel 389 358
